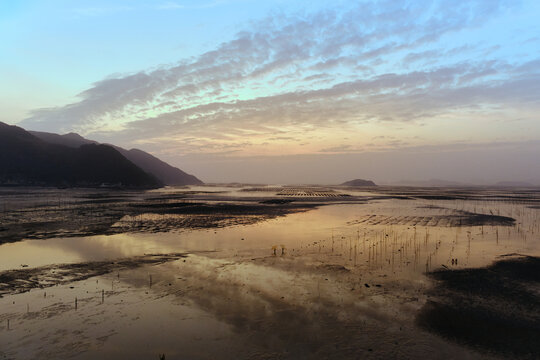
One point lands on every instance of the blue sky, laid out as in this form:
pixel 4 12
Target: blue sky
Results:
pixel 72 44
pixel 206 83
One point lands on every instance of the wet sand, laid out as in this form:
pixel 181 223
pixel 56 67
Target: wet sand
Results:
pixel 310 277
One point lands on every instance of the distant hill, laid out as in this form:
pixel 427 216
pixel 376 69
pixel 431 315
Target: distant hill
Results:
pixel 431 183
pixel 164 172
pixel 513 184
pixel 359 182
pixel 28 160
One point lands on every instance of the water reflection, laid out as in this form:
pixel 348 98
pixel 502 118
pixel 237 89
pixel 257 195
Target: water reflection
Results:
pixel 345 281
pixel 335 233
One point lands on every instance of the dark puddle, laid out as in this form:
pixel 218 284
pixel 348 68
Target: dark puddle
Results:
pixel 496 308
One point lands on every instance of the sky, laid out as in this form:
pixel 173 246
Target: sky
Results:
pixel 286 91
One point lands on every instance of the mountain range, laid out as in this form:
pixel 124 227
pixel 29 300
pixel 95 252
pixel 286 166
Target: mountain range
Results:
pixel 164 172
pixel 47 159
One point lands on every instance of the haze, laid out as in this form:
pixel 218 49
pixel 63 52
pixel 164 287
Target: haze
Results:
pixel 286 92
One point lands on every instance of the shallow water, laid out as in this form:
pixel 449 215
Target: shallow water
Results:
pixel 391 240
pixel 349 277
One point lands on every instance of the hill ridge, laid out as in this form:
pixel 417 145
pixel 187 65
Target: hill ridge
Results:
pixel 164 172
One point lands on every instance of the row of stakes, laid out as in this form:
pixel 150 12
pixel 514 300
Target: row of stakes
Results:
pixel 102 298
pixel 275 247
pixel 76 303
pixel 76 300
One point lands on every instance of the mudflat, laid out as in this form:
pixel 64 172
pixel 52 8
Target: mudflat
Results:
pixel 211 272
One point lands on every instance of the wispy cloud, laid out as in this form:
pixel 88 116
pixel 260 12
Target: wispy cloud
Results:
pixel 310 75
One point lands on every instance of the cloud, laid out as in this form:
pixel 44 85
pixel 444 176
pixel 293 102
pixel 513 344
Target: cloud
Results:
pixel 310 74
pixel 337 149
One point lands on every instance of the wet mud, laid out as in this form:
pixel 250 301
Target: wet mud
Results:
pixel 459 218
pixel 496 308
pixel 270 273
pixel 268 308
pixel 509 195
pixel 26 279
pixel 107 213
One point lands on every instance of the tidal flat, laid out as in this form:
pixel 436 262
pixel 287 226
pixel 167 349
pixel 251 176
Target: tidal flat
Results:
pixel 269 272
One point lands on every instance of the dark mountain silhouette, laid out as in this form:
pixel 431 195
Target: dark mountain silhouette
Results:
pixel 359 182
pixel 28 160
pixel 164 172
pixel 72 139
